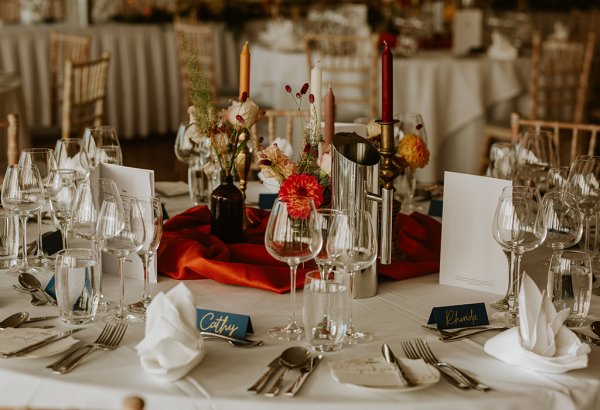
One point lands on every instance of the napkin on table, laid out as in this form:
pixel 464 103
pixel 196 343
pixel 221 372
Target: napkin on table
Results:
pixel 501 48
pixel 541 342
pixel 378 373
pixel 172 345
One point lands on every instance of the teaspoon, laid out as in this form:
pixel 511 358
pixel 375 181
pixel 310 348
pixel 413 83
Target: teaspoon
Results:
pixel 30 282
pixel 14 320
pixel 291 358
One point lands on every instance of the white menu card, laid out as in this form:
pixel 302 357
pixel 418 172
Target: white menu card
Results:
pixel 470 257
pixel 131 182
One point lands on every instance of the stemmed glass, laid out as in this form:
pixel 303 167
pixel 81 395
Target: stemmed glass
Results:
pixel 292 236
pixel 88 200
pixel 501 161
pixel 518 227
pixel 110 155
pixel 100 136
pixel 410 124
pixel 536 153
pixel 69 154
pixel 22 194
pixel 120 231
pixel 562 219
pixel 43 160
pixel 352 246
pixel 324 220
pixel 153 220
pixel 196 155
pixel 61 191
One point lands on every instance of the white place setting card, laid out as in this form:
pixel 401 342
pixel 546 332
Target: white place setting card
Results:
pixel 470 257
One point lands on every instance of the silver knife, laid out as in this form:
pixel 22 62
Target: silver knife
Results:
pixel 40 344
pixel 391 359
pixel 297 385
pixel 274 366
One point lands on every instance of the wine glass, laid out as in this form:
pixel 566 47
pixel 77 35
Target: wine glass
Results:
pixel 100 136
pixel 153 221
pixel 22 194
pixel 583 182
pixel 324 220
pixel 518 227
pixel 120 231
pixel 536 153
pixel 292 236
pixel 61 191
pixel 69 154
pixel 501 160
pixel 562 219
pixel 89 196
pixel 352 246
pixel 43 160
pixel 195 154
pixel 406 183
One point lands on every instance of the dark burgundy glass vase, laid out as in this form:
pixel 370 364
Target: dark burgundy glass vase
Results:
pixel 227 211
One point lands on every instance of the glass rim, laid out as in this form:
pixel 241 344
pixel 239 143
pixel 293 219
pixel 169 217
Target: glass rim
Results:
pixel 37 149
pixel 82 250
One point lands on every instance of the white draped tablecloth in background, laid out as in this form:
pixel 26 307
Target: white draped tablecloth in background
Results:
pixel 144 93
pixel 396 313
pixel 453 95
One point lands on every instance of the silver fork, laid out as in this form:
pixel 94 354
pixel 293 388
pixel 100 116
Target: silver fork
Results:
pixel 412 353
pixel 109 339
pixel 431 358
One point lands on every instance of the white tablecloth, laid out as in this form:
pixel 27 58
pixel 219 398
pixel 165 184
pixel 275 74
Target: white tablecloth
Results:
pixel 453 95
pixel 144 93
pixel 220 381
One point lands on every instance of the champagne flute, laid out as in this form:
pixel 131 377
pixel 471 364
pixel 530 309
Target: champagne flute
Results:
pixel 61 191
pixel 88 200
pixel 325 218
pixel 292 236
pixel 69 154
pixel 153 221
pixel 120 231
pixel 43 160
pixel 22 194
pixel 518 227
pixel 96 137
pixel 352 246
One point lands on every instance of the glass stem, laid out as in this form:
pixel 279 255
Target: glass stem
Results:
pixel 63 234
pixel 586 243
pixel 145 260
pixel 350 284
pixel 40 250
pixel 517 277
pixel 98 257
pixel 23 219
pixel 122 289
pixel 292 322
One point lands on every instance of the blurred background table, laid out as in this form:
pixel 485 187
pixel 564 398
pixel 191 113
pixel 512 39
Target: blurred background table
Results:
pixel 12 101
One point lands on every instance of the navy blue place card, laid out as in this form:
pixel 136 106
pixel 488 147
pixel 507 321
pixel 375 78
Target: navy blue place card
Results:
pixel 265 201
pixel 224 323
pixel 450 317
pixel 436 206
pixel 51 288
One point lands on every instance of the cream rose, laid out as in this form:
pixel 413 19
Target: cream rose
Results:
pixel 248 110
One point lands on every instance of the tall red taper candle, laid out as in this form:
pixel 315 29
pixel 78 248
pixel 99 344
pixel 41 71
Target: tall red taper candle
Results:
pixel 329 115
pixel 387 83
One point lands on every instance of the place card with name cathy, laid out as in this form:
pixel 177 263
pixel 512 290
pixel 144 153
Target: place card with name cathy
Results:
pixel 224 323
pixel 450 317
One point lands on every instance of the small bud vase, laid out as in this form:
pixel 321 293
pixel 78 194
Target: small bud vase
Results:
pixel 227 211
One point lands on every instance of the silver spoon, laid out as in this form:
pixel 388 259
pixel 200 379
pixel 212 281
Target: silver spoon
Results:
pixel 30 282
pixel 14 320
pixel 291 358
pixel 595 326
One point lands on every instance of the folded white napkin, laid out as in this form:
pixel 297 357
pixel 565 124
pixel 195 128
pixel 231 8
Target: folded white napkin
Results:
pixel 501 48
pixel 541 342
pixel 378 373
pixel 172 346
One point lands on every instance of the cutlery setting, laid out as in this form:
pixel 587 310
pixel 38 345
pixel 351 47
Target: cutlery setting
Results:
pixel 462 333
pixel 233 341
pixel 290 359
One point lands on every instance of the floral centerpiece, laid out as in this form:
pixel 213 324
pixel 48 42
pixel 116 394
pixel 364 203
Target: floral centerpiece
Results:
pixel 310 176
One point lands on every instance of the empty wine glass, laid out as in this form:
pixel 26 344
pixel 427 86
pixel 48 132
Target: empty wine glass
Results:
pixel 558 178
pixel 110 154
pixel 292 236
pixel 501 161
pixel 69 154
pixel 96 137
pixel 43 160
pixel 153 221
pixel 536 153
pixel 61 191
pixel 120 231
pixel 584 183
pixel 518 227
pixel 88 200
pixel 406 183
pixel 194 149
pixel 22 194
pixel 324 220
pixel 352 246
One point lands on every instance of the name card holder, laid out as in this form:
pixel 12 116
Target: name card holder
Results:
pixel 224 323
pixel 452 317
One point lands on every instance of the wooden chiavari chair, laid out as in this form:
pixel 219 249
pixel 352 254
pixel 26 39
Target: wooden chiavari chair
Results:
pixel 11 125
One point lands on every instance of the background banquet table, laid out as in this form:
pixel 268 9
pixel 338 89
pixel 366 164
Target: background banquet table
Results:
pixel 143 92
pixel 220 381
pixel 455 95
